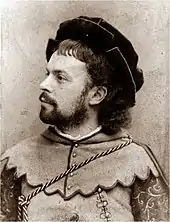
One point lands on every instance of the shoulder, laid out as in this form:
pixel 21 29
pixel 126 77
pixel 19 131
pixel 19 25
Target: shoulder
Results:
pixel 21 151
pixel 132 161
pixel 137 157
pixel 22 146
pixel 145 154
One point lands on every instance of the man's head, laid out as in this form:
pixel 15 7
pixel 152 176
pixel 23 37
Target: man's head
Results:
pixel 70 92
pixel 106 80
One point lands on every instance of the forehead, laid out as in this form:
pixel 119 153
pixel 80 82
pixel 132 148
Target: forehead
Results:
pixel 68 64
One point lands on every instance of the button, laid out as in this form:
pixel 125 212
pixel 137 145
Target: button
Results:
pixel 74 217
pixel 74 154
pixel 105 203
pixel 76 145
pixel 105 215
pixel 68 187
pixel 71 174
pixel 73 164
pixel 99 190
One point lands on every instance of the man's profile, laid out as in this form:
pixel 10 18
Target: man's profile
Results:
pixel 85 167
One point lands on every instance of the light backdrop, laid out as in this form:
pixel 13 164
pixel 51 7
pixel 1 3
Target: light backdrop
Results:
pixel 26 27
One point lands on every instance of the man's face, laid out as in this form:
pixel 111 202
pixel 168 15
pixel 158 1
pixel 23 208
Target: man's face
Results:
pixel 64 101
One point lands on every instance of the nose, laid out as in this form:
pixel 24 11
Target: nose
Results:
pixel 46 84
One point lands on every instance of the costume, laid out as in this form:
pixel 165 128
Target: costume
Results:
pixel 97 177
pixel 125 185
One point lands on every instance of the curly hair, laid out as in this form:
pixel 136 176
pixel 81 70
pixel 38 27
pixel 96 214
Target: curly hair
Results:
pixel 114 110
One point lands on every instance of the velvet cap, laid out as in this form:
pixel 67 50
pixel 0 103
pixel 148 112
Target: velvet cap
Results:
pixel 103 38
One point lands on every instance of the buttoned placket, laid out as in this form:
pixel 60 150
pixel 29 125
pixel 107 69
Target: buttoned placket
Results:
pixel 73 154
pixel 73 161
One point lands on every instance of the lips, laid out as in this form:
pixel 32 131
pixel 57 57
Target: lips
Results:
pixel 44 97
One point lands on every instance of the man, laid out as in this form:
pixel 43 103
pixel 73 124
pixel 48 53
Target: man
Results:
pixel 84 167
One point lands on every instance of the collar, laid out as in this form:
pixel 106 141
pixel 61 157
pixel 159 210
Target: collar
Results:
pixel 77 138
pixel 95 137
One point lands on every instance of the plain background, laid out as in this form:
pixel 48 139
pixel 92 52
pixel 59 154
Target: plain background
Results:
pixel 26 27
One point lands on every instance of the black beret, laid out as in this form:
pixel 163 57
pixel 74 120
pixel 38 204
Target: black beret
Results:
pixel 103 38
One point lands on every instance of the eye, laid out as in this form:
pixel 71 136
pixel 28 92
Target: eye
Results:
pixel 61 78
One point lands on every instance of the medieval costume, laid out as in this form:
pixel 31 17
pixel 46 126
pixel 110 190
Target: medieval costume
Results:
pixel 123 185
pixel 95 177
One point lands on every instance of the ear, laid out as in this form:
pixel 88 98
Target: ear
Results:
pixel 97 95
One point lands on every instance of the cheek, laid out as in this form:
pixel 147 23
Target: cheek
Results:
pixel 67 94
pixel 68 101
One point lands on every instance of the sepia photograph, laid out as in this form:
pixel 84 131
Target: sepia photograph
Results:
pixel 84 111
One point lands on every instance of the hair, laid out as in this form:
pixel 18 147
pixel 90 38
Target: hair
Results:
pixel 114 109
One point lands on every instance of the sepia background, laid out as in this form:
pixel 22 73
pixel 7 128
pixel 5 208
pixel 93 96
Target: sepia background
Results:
pixel 26 27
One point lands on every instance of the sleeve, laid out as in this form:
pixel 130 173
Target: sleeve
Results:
pixel 149 198
pixel 10 191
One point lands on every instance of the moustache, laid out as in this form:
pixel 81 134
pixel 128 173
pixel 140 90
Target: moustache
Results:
pixel 44 97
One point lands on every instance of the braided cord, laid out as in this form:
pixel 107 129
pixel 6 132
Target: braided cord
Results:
pixel 24 202
pixel 22 209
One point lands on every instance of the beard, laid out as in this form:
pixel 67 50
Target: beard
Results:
pixel 63 122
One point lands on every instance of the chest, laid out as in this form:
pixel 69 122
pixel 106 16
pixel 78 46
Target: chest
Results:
pixel 100 205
